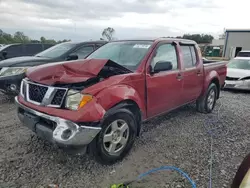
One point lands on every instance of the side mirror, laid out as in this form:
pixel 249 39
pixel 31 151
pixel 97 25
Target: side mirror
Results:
pixel 72 57
pixel 4 53
pixel 162 66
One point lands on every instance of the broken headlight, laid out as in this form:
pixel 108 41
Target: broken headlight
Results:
pixel 75 100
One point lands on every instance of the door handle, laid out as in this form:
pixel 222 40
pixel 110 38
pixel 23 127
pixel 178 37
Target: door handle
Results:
pixel 179 76
pixel 198 73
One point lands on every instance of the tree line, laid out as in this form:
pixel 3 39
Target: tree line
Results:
pixel 20 37
pixel 107 33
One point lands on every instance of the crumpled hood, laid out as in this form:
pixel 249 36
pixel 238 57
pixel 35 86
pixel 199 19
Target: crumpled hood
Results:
pixel 72 71
pixel 238 73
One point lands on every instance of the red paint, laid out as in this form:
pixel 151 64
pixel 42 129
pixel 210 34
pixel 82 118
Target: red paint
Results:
pixel 67 72
pixel 153 93
pixel 94 113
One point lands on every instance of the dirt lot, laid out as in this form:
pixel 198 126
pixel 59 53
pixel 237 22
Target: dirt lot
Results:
pixel 178 139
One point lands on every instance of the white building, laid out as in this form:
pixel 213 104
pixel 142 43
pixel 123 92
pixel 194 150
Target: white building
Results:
pixel 235 41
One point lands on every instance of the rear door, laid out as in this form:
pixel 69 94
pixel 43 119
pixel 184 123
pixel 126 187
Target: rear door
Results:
pixel 192 73
pixel 164 88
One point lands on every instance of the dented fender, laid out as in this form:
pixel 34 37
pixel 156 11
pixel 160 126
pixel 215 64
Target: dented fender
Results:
pixel 113 95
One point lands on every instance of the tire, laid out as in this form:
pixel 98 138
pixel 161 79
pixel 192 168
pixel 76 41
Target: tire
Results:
pixel 99 146
pixel 206 103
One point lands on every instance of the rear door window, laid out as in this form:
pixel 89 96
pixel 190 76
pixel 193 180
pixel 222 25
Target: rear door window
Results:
pixel 193 53
pixel 32 49
pixel 14 51
pixel 189 56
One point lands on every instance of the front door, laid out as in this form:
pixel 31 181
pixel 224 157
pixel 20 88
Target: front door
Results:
pixel 163 88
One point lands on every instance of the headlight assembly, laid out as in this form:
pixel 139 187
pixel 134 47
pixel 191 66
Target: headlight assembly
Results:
pixel 9 71
pixel 75 100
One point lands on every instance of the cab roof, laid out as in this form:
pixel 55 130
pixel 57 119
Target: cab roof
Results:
pixel 159 39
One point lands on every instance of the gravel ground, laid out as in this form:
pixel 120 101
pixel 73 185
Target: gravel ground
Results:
pixel 178 139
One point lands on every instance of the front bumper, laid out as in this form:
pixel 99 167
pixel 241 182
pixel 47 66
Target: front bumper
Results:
pixel 60 131
pixel 7 81
pixel 237 85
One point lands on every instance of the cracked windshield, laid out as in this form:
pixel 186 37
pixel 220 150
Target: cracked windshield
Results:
pixel 124 94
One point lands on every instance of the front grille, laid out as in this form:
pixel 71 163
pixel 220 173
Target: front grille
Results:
pixel 37 92
pixel 232 78
pixel 57 100
pixel 23 92
pixel 43 95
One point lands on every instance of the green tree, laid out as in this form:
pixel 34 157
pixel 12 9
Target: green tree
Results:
pixel 20 37
pixel 50 41
pixel 8 38
pixel 108 33
pixel 199 38
pixel 42 39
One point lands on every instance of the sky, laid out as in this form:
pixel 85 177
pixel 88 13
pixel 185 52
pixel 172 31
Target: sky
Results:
pixel 81 20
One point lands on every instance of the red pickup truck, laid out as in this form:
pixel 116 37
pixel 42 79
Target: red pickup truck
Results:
pixel 97 105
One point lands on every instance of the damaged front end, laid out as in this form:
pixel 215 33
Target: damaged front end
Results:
pixel 64 133
pixel 52 98
pixel 51 85
pixel 237 83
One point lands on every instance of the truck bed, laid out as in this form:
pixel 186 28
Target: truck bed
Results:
pixel 210 61
pixel 219 67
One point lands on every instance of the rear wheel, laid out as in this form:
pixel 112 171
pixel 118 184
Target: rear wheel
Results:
pixel 206 103
pixel 116 137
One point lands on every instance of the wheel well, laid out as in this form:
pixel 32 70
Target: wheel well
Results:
pixel 217 83
pixel 134 108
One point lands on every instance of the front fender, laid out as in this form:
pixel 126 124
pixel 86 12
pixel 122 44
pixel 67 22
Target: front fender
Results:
pixel 113 95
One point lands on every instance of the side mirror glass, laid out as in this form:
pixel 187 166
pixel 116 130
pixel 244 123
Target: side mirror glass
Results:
pixel 162 66
pixel 72 57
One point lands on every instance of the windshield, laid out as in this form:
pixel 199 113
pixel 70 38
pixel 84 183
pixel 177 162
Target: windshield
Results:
pixel 239 64
pixel 4 47
pixel 128 54
pixel 56 51
pixel 243 54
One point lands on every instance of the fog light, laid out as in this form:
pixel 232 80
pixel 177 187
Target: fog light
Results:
pixel 13 87
pixel 66 134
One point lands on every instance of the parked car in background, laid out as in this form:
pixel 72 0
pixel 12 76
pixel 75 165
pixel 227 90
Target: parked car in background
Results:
pixel 12 70
pixel 243 54
pixel 17 50
pixel 98 104
pixel 238 74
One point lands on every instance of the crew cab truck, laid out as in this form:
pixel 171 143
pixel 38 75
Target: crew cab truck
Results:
pixel 97 105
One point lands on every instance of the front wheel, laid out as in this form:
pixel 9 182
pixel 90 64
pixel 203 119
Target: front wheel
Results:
pixel 206 103
pixel 116 137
